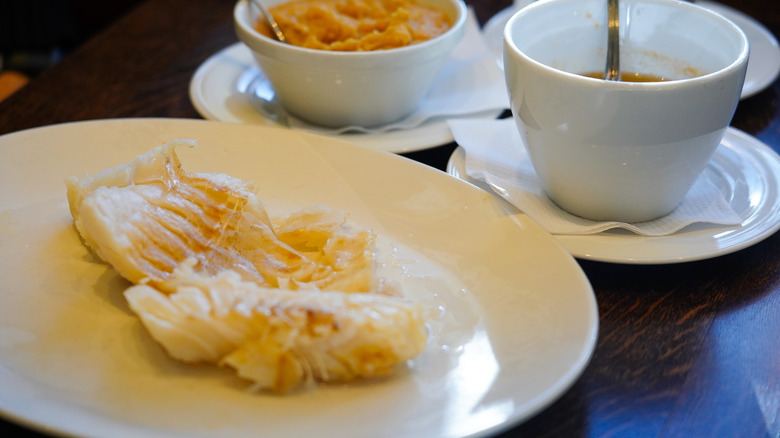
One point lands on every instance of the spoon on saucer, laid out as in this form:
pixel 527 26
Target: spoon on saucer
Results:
pixel 277 31
pixel 612 70
pixel 263 97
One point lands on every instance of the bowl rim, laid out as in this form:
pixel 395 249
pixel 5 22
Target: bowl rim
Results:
pixel 257 41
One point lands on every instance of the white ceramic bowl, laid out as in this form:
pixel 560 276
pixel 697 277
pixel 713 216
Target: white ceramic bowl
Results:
pixel 620 150
pixel 337 89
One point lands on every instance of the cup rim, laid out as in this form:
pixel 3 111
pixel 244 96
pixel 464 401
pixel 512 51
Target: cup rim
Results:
pixel 260 42
pixel 740 59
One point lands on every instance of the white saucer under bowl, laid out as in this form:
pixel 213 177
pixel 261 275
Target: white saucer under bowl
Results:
pixel 745 170
pixel 763 66
pixel 217 91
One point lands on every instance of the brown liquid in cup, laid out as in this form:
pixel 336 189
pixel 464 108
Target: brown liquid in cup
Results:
pixel 628 77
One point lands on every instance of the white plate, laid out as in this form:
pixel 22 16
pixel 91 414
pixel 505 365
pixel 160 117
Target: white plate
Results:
pixel 516 333
pixel 217 93
pixel 745 170
pixel 763 66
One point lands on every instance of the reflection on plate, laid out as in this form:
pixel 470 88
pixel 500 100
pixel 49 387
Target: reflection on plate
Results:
pixel 763 66
pixel 76 361
pixel 217 92
pixel 745 170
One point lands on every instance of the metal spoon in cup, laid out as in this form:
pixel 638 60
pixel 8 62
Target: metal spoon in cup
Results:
pixel 612 70
pixel 277 31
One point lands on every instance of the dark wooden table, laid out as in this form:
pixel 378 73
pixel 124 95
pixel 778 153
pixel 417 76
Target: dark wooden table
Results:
pixel 689 349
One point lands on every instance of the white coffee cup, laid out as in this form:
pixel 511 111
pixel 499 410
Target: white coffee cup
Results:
pixel 623 151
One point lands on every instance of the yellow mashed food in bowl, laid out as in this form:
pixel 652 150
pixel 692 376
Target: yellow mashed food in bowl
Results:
pixel 356 25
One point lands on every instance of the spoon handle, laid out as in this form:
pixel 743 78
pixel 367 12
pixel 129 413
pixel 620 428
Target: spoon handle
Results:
pixel 612 70
pixel 274 25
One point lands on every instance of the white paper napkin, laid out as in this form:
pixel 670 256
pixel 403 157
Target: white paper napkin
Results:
pixel 470 83
pixel 495 154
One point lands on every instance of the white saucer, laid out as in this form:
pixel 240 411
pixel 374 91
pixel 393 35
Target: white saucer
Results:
pixel 745 170
pixel 763 66
pixel 217 92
